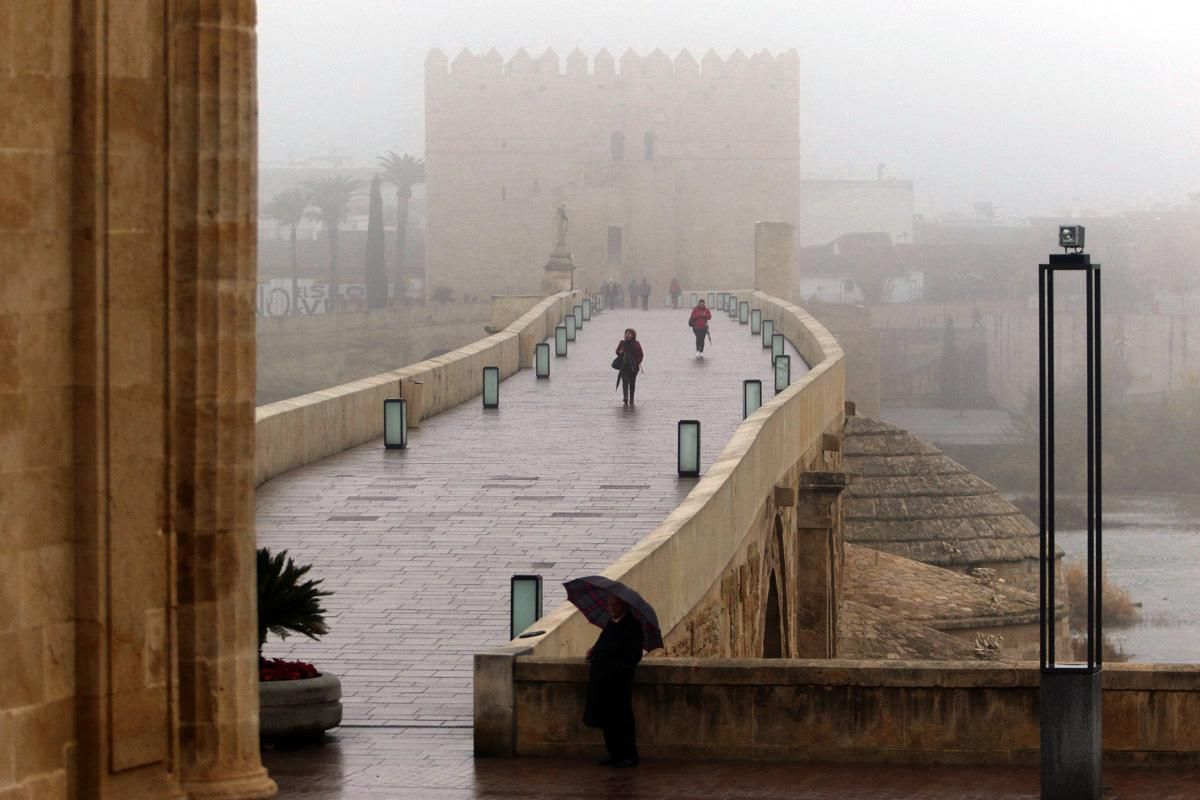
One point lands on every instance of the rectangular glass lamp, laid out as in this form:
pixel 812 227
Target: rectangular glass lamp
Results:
pixel 524 603
pixel 695 299
pixel 783 373
pixel 572 327
pixel 491 387
pixel 712 302
pixel 723 301
pixel 744 312
pixel 541 359
pixel 731 305
pixel 689 448
pixel 587 309
pixel 751 396
pixel 578 312
pixel 768 332
pixel 395 423
pixel 755 321
pixel 560 340
pixel 776 346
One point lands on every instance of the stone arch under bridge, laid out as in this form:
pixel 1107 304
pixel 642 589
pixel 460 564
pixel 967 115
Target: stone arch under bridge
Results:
pixel 778 596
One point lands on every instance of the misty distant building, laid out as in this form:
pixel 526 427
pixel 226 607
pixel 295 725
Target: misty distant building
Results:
pixel 830 209
pixel 664 166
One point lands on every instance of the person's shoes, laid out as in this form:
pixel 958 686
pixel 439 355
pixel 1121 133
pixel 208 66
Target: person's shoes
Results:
pixel 607 762
pixel 625 762
pixel 624 402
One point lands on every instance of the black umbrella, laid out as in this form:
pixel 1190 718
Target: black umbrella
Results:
pixel 590 595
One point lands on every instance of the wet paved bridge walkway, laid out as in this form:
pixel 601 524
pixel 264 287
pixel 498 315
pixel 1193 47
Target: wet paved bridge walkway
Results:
pixel 419 545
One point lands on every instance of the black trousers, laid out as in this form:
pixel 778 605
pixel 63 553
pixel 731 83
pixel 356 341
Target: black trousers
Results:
pixel 621 739
pixel 628 384
pixel 701 334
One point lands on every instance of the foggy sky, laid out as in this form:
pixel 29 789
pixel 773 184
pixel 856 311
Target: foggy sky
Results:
pixel 1092 104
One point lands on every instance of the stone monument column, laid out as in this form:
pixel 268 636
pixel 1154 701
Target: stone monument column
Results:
pixel 560 268
pixel 212 124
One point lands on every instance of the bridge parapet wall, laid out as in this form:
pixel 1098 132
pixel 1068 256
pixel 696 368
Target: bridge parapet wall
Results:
pixel 298 431
pixel 853 711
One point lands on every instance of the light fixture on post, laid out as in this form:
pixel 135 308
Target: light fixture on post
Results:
pixel 751 396
pixel 783 372
pixel 541 359
pixel 695 300
pixel 755 321
pixel 572 327
pixel 712 302
pixel 491 387
pixel 587 309
pixel 731 305
pixel 744 312
pixel 688 448
pixel 723 301
pixel 578 312
pixel 395 423
pixel 1070 696
pixel 776 346
pixel 524 603
pixel 768 332
pixel 560 340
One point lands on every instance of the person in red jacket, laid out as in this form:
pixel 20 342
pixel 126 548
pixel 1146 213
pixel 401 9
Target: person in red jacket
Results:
pixel 699 322
pixel 629 351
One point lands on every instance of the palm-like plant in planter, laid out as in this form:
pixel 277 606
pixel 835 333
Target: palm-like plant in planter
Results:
pixel 295 699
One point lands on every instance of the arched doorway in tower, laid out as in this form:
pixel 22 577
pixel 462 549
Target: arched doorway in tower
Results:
pixel 773 624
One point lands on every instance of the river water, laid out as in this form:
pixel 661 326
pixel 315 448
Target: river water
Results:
pixel 1152 549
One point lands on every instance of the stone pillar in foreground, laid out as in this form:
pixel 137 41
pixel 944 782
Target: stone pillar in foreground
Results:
pixel 212 194
pixel 773 259
pixel 821 554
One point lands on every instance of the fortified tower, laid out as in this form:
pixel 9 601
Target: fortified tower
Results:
pixel 663 165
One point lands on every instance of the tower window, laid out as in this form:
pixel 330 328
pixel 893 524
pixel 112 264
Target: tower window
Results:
pixel 614 246
pixel 616 146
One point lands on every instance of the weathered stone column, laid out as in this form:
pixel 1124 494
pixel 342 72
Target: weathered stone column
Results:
pixel 773 258
pixel 212 193
pixel 820 551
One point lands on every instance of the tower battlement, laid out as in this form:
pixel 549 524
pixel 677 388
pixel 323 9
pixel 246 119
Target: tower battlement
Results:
pixel 630 66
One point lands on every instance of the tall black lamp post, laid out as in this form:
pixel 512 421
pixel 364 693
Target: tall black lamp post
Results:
pixel 1070 693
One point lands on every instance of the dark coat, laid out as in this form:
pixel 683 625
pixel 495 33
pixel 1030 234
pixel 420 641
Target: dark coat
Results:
pixel 610 680
pixel 631 357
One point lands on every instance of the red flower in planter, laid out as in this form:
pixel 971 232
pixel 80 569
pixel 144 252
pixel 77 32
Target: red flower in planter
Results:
pixel 277 669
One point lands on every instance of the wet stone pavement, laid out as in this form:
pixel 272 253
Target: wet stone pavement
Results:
pixel 436 764
pixel 418 545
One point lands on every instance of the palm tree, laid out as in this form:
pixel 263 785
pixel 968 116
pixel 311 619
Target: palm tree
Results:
pixel 403 172
pixel 331 197
pixel 286 602
pixel 287 208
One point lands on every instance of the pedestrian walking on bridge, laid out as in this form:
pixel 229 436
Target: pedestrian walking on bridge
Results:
pixel 628 364
pixel 699 324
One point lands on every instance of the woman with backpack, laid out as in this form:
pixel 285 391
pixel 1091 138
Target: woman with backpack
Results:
pixel 628 363
pixel 699 324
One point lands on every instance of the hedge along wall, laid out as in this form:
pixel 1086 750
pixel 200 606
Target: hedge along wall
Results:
pixel 298 431
pixel 674 566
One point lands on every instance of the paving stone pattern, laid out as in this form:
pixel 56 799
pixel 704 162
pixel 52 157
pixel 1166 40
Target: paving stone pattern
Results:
pixel 438 765
pixel 419 545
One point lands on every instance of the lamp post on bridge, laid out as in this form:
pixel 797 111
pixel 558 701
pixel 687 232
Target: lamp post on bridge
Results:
pixel 1071 700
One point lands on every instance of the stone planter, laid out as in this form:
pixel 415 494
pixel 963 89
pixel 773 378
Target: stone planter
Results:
pixel 299 710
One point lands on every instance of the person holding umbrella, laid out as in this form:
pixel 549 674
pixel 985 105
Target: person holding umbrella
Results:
pixel 629 627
